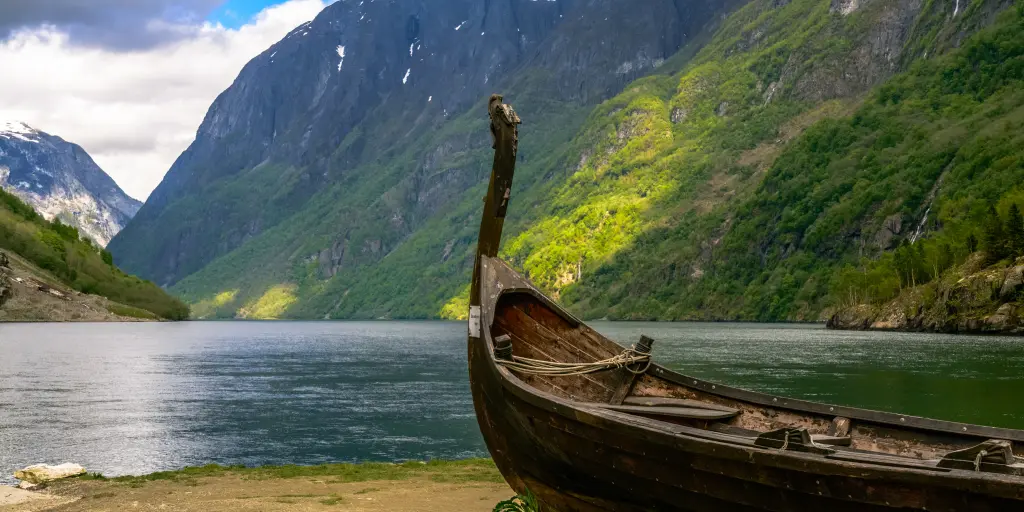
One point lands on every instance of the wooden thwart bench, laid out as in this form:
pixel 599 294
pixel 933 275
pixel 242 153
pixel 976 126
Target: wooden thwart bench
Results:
pixel 690 413
pixel 672 408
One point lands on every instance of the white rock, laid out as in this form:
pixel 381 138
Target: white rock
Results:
pixel 40 473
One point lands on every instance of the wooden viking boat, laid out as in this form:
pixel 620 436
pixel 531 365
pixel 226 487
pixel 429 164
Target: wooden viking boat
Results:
pixel 582 423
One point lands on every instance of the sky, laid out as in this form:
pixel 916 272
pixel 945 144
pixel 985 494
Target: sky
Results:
pixel 131 80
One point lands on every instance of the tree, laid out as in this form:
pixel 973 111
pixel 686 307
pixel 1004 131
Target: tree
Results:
pixel 1014 232
pixel 946 258
pixel 993 238
pixel 900 263
pixel 972 244
pixel 939 258
pixel 920 265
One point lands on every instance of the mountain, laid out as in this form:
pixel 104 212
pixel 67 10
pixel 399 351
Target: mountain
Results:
pixel 51 272
pixel 60 180
pixel 339 141
pixel 683 161
pixel 811 140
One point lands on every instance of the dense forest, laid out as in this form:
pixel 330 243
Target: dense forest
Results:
pixel 77 261
pixel 914 165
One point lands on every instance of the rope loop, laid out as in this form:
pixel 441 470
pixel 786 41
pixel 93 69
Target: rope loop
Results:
pixel 627 359
pixel 977 460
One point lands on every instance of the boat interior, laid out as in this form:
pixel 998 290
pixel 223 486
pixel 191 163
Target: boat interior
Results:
pixel 527 325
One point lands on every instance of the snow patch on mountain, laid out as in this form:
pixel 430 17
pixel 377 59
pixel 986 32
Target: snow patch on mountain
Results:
pixel 18 130
pixel 60 180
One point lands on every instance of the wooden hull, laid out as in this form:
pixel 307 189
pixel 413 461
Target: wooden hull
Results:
pixel 561 445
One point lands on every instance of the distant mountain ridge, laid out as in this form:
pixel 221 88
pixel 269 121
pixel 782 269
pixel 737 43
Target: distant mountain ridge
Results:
pixel 61 181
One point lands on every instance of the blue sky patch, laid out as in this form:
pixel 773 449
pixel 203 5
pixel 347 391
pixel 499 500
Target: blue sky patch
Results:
pixel 235 13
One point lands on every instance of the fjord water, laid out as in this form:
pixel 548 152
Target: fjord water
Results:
pixel 137 398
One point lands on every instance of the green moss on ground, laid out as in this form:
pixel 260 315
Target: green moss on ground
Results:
pixel 467 470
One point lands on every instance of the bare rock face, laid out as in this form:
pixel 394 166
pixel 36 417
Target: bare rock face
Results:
pixel 892 226
pixel 314 105
pixel 678 115
pixel 42 473
pixel 856 318
pixel 874 56
pixel 1013 282
pixel 1003 320
pixel 844 7
pixel 60 180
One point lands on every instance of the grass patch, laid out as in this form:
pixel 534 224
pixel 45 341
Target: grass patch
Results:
pixel 131 312
pixel 468 470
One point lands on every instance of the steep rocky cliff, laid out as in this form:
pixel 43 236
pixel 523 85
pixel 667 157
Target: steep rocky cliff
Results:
pixel 685 160
pixel 347 109
pixel 61 181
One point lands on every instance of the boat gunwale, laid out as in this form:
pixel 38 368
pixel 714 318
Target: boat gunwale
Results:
pixel 510 282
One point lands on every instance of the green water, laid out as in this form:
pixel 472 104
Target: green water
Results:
pixel 973 379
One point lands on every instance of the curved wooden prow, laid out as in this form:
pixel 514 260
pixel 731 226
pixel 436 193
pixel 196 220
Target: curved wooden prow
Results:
pixel 505 135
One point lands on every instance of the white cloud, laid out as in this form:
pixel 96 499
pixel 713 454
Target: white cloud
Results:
pixel 133 111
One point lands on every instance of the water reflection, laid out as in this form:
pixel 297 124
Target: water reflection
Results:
pixel 136 398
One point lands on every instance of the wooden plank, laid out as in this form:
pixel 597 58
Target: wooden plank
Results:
pixel 652 401
pixel 527 336
pixel 670 412
pixel 831 440
pixel 581 336
pixel 514 317
pixel 885 460
pixel 536 352
pixel 625 387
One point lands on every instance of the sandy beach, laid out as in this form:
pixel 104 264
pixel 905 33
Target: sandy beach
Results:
pixel 471 485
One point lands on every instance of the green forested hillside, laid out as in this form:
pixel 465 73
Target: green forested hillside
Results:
pixel 921 160
pixel 60 250
pixel 772 170
pixel 755 227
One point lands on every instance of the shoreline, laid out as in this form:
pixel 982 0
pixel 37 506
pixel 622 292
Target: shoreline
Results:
pixel 468 484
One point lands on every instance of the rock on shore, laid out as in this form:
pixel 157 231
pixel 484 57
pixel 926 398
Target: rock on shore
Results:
pixel 42 473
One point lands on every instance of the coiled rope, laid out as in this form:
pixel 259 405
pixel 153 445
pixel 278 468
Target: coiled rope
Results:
pixel 629 357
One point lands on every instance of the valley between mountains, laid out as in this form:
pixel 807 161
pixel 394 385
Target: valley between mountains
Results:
pixel 763 160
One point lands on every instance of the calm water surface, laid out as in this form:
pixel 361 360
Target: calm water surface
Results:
pixel 137 398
